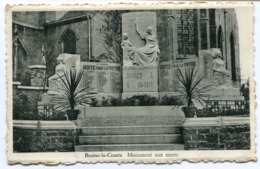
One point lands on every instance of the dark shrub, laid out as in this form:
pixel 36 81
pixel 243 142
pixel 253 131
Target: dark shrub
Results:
pixel 94 102
pixel 22 105
pixel 129 102
pixel 26 80
pixel 169 100
pixel 105 102
pixel 206 112
pixel 140 100
pixel 115 101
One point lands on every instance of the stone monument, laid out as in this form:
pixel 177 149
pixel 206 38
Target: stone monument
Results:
pixel 213 66
pixel 216 75
pixel 140 54
pixel 64 62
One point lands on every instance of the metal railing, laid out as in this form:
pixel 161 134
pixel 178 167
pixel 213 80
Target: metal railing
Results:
pixel 226 108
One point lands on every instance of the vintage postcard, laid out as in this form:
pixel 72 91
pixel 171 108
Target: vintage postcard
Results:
pixel 140 83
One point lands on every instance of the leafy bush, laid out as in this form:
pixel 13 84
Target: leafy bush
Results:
pixel 115 101
pixel 35 116
pixel 146 100
pixel 169 100
pixel 136 100
pixel 129 102
pixel 22 105
pixel 205 112
pixel 24 78
pixel 23 109
pixel 208 112
pixel 105 102
pixel 94 102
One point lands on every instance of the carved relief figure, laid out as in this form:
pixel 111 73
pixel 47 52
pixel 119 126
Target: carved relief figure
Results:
pixel 149 53
pixel 128 50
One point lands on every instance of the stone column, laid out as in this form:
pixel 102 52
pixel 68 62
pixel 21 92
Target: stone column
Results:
pixel 89 36
pixel 15 59
pixel 172 38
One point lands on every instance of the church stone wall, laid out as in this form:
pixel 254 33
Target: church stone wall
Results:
pixel 27 31
pixel 32 40
pixel 98 46
pixel 54 34
pixel 30 18
pixel 229 26
pixel 54 42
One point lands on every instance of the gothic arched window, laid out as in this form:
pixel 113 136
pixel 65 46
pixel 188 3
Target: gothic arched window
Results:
pixel 186 26
pixel 233 58
pixel 69 42
pixel 220 39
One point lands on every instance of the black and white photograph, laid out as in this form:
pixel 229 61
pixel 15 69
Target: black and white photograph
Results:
pixel 131 83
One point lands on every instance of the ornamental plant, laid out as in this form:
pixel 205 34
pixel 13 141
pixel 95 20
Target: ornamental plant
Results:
pixel 189 87
pixel 73 90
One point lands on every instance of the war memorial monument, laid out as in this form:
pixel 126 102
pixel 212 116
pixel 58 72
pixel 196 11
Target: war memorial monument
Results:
pixel 127 80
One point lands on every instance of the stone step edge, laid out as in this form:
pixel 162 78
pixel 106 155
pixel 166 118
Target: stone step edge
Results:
pixel 130 147
pixel 166 126
pixel 134 135
pixel 109 145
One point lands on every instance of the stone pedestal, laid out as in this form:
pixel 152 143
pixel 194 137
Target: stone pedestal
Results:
pixel 38 75
pixel 138 80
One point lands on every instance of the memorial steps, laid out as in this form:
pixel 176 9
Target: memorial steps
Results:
pixel 130 138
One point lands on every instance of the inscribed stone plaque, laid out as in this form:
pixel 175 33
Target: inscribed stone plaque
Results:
pixel 90 73
pixel 165 76
pixel 140 79
pixel 106 76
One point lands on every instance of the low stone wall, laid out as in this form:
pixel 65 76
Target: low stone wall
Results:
pixel 220 133
pixel 43 136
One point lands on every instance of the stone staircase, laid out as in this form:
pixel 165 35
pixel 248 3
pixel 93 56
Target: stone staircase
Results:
pixel 130 138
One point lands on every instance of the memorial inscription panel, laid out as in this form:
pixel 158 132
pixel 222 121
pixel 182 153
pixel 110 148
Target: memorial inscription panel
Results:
pixel 168 70
pixel 140 79
pixel 106 77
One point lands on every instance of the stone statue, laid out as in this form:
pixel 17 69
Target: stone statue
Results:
pixel 54 81
pixel 218 63
pixel 60 68
pixel 128 50
pixel 220 75
pixel 147 55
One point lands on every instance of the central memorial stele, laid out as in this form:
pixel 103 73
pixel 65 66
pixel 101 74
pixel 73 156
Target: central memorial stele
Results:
pixel 140 54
